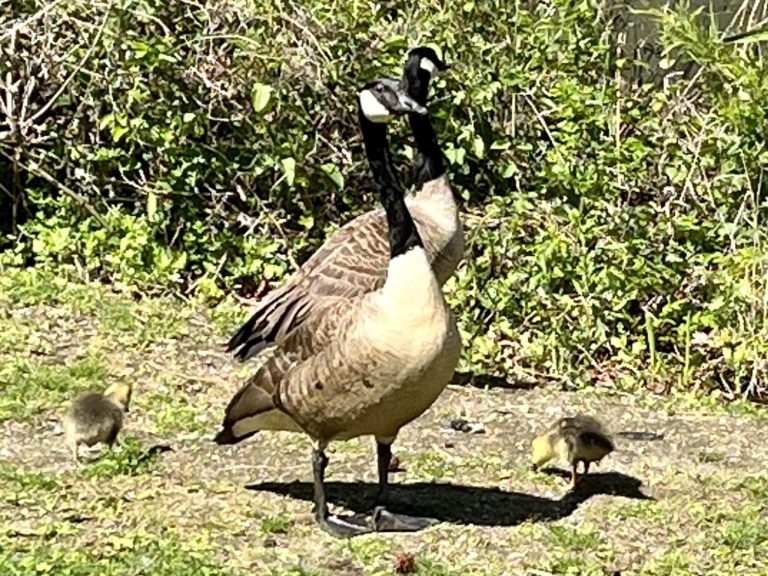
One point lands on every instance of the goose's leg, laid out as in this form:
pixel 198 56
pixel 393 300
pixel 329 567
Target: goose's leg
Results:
pixel 586 467
pixel 384 457
pixel 574 473
pixel 334 525
pixel 384 521
pixel 74 446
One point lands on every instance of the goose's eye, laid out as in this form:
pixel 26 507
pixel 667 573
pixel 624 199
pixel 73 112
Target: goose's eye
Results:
pixel 379 88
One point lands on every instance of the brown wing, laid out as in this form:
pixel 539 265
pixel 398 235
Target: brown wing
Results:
pixel 352 262
pixel 331 321
pixel 600 441
pixel 327 389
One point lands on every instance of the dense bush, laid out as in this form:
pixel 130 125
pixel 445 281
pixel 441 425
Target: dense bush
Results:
pixel 615 233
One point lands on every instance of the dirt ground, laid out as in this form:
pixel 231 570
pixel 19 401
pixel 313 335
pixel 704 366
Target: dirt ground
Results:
pixel 684 493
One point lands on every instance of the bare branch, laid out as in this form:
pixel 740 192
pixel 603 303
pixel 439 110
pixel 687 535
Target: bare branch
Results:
pixel 36 170
pixel 77 69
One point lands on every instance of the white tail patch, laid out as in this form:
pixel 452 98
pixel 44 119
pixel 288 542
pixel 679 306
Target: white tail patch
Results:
pixel 272 420
pixel 374 110
pixel 428 65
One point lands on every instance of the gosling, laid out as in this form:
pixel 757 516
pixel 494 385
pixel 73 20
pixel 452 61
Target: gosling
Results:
pixel 96 417
pixel 573 439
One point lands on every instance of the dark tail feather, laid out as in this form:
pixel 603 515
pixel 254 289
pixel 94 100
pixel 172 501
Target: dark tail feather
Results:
pixel 225 436
pixel 274 322
pixel 250 400
pixel 250 350
pixel 251 333
pixel 264 334
pixel 259 316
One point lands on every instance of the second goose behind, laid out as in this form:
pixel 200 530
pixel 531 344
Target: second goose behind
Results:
pixel 366 365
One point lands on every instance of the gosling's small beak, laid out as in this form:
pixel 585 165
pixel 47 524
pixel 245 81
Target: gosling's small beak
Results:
pixel 408 104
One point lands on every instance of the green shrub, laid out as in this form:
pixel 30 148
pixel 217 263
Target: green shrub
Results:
pixel 615 233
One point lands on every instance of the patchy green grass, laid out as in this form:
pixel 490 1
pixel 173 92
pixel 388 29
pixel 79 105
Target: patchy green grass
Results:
pixel 582 538
pixel 164 554
pixel 32 385
pixel 711 456
pixel 276 524
pixel 130 458
pixel 145 511
pixel 16 479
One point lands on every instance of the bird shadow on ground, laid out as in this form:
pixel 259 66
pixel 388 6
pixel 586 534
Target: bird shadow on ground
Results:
pixel 481 380
pixel 460 504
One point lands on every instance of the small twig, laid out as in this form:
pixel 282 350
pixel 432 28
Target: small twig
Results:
pixel 77 69
pixel 37 171
pixel 16 27
pixel 543 123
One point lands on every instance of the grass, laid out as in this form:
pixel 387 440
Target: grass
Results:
pixel 277 524
pixel 33 385
pixel 583 538
pixel 138 511
pixel 138 553
pixel 130 458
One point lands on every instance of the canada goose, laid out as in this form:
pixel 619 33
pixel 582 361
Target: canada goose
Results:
pixel 354 260
pixel 96 417
pixel 574 439
pixel 365 365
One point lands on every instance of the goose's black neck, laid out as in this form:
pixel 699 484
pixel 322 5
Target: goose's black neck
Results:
pixel 429 162
pixel 402 231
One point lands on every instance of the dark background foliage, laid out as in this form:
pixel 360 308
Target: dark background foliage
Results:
pixel 614 212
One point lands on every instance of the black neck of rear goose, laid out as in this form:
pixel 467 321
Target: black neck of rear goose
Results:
pixel 429 160
pixel 402 231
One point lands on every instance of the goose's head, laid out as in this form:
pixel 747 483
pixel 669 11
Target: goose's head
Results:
pixel 427 60
pixel 383 98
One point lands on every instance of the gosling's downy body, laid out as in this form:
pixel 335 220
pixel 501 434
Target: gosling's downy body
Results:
pixel 96 417
pixel 355 259
pixel 573 439
pixel 364 365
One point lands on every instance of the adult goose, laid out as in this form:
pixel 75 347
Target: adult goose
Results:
pixel 364 365
pixel 354 260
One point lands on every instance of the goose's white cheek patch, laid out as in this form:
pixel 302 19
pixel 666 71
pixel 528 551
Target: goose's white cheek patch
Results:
pixel 374 110
pixel 428 65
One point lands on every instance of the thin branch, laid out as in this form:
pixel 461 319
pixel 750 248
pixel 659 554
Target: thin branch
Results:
pixel 77 69
pixel 543 123
pixel 15 28
pixel 39 172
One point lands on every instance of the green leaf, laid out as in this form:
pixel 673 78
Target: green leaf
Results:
pixel 333 172
pixel 261 95
pixel 118 132
pixel 307 221
pixel 106 121
pixel 397 41
pixel 151 205
pixel 509 171
pixel 479 147
pixel 455 155
pixel 289 169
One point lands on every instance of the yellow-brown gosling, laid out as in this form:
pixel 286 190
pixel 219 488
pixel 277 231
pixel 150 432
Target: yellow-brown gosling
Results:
pixel 573 439
pixel 96 417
